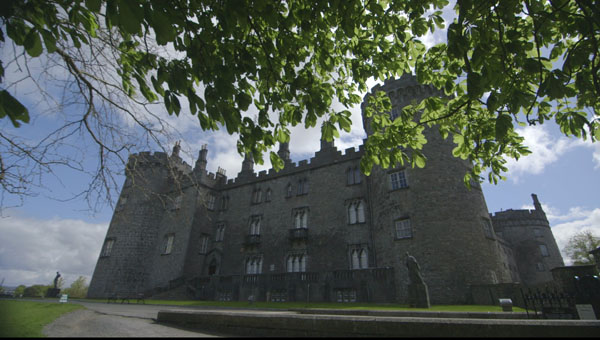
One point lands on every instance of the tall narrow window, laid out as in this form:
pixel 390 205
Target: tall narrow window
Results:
pixel 224 202
pixel 350 176
pixel 268 195
pixel 360 212
pixel 210 202
pixel 359 258
pixel 403 228
pixel 204 244
pixel 255 225
pixel 254 265
pixel 398 180
pixel 302 188
pixel 168 244
pixel 288 191
pixel 257 196
pixel 301 218
pixel 356 212
pixel 108 244
pixel 220 232
pixel 544 250
pixel 353 175
pixel 296 263
pixel 357 177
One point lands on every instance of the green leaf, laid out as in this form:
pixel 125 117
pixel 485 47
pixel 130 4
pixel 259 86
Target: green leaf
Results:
pixel 33 43
pixel 503 125
pixel 11 107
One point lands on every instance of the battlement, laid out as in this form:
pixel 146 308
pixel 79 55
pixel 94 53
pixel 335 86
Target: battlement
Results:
pixel 321 158
pixel 522 217
pixel 402 89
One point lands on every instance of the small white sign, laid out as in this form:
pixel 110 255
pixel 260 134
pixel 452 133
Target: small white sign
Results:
pixel 586 312
pixel 63 298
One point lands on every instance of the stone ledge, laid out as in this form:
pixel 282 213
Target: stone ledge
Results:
pixel 261 323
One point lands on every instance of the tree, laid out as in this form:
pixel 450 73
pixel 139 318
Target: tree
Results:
pixel 579 246
pixel 78 288
pixel 36 291
pixel 504 63
pixel 20 290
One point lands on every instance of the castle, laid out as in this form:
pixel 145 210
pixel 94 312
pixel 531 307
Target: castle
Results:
pixel 318 230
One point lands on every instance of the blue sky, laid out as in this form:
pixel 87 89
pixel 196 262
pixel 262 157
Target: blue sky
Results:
pixel 45 234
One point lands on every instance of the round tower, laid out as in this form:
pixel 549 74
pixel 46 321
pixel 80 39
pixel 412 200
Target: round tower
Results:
pixel 432 215
pixel 121 269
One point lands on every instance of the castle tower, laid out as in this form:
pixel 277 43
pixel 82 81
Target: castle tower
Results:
pixel 431 214
pixel 122 266
pixel 529 234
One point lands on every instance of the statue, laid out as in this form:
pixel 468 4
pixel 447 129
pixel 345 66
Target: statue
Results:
pixel 414 270
pixel 418 295
pixel 53 292
pixel 56 280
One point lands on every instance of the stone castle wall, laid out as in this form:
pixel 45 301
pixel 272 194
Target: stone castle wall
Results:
pixel 164 197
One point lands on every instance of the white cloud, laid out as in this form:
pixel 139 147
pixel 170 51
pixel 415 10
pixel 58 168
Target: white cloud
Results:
pixel 565 226
pixel 545 150
pixel 33 250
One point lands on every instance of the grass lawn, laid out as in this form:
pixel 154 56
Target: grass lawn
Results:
pixel 27 318
pixel 352 306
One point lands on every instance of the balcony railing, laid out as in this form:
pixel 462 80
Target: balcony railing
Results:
pixel 298 234
pixel 252 240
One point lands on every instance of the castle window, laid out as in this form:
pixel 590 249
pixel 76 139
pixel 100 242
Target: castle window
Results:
pixel 359 258
pixel 255 225
pixel 403 228
pixel 537 232
pixel 488 230
pixel 345 295
pixel 220 232
pixel 356 212
pixel 288 192
pixel 353 176
pixel 268 195
pixel 168 244
pixel 544 250
pixel 204 244
pixel 296 263
pixel 254 265
pixel 224 202
pixel 302 187
pixel 256 196
pixel 108 244
pixel 398 180
pixel 301 218
pixel 210 202
pixel 540 267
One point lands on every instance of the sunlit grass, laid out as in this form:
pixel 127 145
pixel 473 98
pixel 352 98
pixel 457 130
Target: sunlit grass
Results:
pixel 20 319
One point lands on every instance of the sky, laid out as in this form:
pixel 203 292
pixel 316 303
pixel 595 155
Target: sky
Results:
pixel 46 233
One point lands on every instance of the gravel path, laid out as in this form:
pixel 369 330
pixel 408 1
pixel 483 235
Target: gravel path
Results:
pixel 114 320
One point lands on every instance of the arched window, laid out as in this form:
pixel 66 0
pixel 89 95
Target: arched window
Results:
pixel 268 195
pixel 288 191
pixel 355 259
pixel 364 259
pixel 356 212
pixel 360 212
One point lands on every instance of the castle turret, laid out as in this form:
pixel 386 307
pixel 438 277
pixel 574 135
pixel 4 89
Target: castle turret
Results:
pixel 284 152
pixel 431 214
pixel 201 162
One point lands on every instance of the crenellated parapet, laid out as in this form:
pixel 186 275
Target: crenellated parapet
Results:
pixel 323 157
